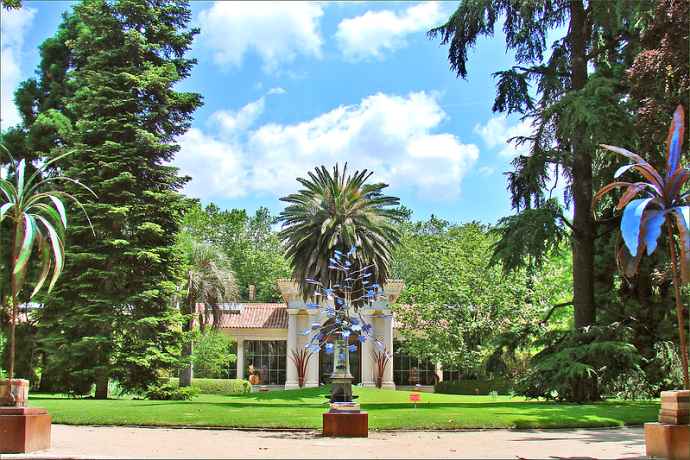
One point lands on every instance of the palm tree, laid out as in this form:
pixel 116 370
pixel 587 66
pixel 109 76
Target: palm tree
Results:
pixel 335 212
pixel 37 220
pixel 665 202
pixel 208 282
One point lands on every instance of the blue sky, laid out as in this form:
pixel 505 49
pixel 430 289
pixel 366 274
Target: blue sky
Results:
pixel 288 87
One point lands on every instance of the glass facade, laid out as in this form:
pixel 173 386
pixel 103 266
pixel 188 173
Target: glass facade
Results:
pixel 268 358
pixel 409 370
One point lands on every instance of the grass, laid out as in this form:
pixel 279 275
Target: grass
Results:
pixel 387 410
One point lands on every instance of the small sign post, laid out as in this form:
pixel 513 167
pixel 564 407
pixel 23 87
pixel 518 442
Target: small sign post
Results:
pixel 415 398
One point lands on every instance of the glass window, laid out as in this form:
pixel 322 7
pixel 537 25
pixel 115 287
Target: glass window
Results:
pixel 268 359
pixel 410 370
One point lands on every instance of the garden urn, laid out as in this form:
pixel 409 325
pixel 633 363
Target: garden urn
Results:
pixel 14 393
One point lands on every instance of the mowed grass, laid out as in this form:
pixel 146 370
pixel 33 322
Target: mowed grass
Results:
pixel 387 410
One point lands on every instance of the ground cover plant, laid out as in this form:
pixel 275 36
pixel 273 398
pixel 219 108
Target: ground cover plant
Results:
pixel 387 410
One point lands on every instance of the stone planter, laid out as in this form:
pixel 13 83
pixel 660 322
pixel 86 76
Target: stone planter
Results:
pixel 15 394
pixel 670 437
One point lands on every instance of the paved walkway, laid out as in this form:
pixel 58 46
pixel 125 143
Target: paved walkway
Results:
pixel 104 442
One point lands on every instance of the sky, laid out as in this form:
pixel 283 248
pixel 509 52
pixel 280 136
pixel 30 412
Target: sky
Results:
pixel 291 86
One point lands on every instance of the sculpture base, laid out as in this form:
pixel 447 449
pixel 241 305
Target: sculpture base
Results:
pixel 667 441
pixel 24 429
pixel 344 424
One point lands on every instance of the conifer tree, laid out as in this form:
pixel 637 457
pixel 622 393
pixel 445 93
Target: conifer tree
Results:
pixel 106 89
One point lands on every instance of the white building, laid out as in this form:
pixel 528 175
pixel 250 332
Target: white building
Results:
pixel 266 333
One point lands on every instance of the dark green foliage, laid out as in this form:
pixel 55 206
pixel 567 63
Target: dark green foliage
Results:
pixel 573 364
pixel 106 90
pixel 528 238
pixel 474 387
pixel 336 211
pixel 171 392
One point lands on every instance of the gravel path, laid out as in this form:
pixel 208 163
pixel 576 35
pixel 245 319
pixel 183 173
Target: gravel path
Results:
pixel 103 442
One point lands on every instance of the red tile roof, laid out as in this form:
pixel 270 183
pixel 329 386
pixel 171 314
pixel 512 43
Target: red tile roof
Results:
pixel 257 315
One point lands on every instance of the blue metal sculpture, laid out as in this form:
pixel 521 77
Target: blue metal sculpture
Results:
pixel 342 302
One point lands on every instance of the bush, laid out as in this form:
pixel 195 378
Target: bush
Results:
pixel 171 392
pixel 473 387
pixel 575 366
pixel 213 354
pixel 227 387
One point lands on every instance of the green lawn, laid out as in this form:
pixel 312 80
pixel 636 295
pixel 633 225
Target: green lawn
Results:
pixel 387 410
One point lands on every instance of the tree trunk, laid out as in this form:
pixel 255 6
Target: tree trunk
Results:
pixel 101 386
pixel 583 221
pixel 187 372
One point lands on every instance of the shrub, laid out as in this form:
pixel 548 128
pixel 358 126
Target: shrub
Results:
pixel 575 366
pixel 473 387
pixel 213 353
pixel 171 392
pixel 227 387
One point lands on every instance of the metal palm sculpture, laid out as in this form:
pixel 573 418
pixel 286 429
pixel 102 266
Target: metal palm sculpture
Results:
pixel 663 202
pixel 333 212
pixel 37 222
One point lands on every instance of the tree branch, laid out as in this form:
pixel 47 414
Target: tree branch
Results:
pixel 553 309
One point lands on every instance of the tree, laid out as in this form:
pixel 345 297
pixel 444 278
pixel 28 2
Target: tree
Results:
pixel 212 355
pixel 456 305
pixel 334 212
pixel 664 203
pixel 251 246
pixel 573 98
pixel 37 221
pixel 210 283
pixel 109 77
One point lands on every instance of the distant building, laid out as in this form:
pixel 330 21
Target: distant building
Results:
pixel 265 334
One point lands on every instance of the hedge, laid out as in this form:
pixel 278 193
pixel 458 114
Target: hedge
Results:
pixel 220 386
pixel 473 387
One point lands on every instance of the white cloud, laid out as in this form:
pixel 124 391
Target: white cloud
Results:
pixel 375 32
pixel 391 135
pixel 486 170
pixel 13 26
pixel 496 133
pixel 276 31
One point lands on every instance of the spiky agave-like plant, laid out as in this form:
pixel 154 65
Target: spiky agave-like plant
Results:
pixel 38 220
pixel 663 203
pixel 336 211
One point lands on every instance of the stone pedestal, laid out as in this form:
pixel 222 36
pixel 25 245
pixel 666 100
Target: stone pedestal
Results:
pixel 24 429
pixel 671 442
pixel 343 424
pixel 670 438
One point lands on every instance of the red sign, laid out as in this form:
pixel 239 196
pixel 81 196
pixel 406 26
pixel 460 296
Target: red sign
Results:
pixel 415 397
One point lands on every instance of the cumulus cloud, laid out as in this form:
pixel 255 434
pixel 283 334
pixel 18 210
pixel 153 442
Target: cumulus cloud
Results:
pixel 496 133
pixel 373 33
pixel 391 135
pixel 14 26
pixel 276 31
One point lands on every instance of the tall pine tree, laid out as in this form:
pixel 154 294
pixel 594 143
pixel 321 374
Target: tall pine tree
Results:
pixel 107 81
pixel 571 92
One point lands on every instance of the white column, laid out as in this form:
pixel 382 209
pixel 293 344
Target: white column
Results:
pixel 240 358
pixel 368 347
pixel 312 377
pixel 291 371
pixel 387 325
pixel 439 372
